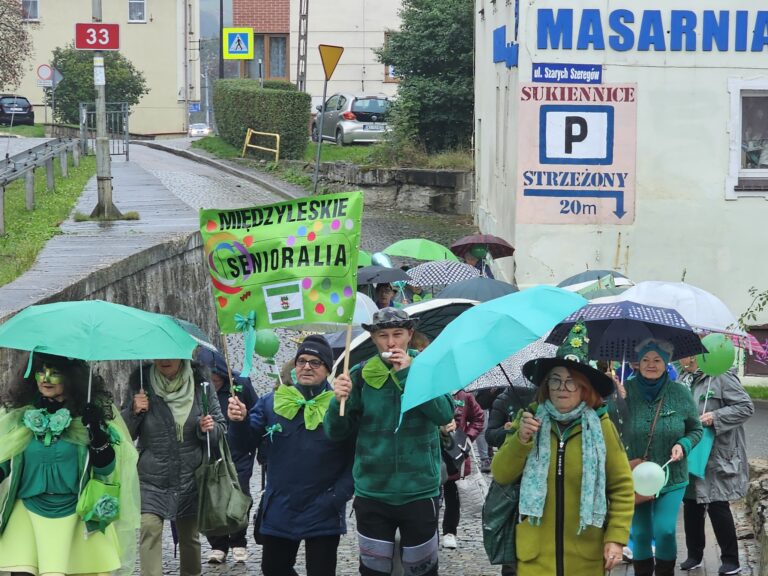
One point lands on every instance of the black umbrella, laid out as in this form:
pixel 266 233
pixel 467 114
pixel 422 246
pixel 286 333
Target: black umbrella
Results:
pixel 589 275
pixel 481 289
pixel 498 247
pixel 380 275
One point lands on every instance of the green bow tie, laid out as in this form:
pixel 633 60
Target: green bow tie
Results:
pixel 288 402
pixel 376 373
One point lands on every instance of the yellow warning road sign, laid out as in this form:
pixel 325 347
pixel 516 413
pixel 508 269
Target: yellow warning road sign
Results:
pixel 237 44
pixel 330 56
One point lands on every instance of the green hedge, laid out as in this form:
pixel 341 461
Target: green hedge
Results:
pixel 280 85
pixel 243 104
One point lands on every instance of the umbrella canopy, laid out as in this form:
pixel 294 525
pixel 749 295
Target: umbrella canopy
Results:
pixel 593 276
pixel 338 340
pixel 196 332
pixel 432 317
pixel 510 371
pixel 440 273
pixel 379 274
pixel 498 247
pixel 481 289
pixel 605 293
pixel 363 259
pixel 615 329
pixel 96 330
pixel 419 249
pixel 484 336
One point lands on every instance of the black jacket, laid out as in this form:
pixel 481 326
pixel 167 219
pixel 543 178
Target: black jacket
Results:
pixel 504 410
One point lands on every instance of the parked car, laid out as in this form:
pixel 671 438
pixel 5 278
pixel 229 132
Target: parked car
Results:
pixel 352 117
pixel 199 130
pixel 16 110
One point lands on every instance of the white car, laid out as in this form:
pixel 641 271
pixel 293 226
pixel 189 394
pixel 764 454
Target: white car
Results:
pixel 199 130
pixel 352 117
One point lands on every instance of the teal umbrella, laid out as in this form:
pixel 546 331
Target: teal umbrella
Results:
pixel 483 336
pixel 96 330
pixel 419 249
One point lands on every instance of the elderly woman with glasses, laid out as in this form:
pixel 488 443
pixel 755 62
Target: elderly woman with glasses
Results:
pixel 309 477
pixel 575 483
pixel 662 425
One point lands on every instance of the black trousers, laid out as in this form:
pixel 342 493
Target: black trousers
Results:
pixel 377 523
pixel 229 541
pixel 722 523
pixel 452 512
pixel 278 555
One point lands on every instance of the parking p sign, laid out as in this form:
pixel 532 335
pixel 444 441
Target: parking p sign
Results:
pixel 576 134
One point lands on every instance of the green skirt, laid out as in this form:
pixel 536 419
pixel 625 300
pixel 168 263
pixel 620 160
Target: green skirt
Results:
pixel 55 546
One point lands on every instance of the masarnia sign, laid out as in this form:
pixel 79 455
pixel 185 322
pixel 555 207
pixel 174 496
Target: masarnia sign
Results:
pixel 646 30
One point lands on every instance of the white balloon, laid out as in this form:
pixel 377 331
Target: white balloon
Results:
pixel 649 478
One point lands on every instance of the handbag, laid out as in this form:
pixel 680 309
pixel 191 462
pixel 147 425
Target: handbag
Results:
pixel 639 498
pixel 455 449
pixel 222 507
pixel 473 490
pixel 699 454
pixel 500 517
pixel 99 503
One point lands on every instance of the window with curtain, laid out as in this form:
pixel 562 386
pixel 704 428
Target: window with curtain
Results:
pixel 137 11
pixel 273 51
pixel 29 10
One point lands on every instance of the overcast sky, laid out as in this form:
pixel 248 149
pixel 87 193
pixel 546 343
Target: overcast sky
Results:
pixel 209 17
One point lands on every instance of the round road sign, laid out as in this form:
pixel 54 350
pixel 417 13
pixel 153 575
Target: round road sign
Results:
pixel 45 72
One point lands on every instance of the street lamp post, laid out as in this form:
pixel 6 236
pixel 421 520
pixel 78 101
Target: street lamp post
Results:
pixel 104 208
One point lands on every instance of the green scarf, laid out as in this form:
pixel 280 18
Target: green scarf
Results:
pixel 533 486
pixel 288 402
pixel 178 393
pixel 376 373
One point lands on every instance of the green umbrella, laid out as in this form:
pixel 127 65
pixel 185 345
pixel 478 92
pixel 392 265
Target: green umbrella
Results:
pixel 419 249
pixel 96 330
pixel 363 259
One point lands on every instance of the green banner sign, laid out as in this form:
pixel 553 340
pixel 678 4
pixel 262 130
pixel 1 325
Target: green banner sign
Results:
pixel 287 263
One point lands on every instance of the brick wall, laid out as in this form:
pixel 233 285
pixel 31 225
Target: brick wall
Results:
pixel 264 16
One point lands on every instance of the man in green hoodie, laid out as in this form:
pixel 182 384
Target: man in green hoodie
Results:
pixel 396 470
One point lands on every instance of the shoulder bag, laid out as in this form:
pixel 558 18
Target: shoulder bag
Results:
pixel 500 516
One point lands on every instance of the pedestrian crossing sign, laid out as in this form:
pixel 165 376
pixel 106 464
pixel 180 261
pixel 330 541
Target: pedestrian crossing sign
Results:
pixel 237 44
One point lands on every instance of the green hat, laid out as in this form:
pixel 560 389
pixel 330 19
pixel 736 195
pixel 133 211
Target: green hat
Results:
pixel 572 354
pixel 479 251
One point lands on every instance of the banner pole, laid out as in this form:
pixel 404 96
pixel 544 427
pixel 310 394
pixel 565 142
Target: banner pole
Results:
pixel 346 364
pixel 229 368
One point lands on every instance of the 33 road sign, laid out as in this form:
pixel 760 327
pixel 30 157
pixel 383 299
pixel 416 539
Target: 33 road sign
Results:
pixel 97 36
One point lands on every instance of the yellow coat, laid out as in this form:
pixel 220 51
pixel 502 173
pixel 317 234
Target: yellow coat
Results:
pixel 582 553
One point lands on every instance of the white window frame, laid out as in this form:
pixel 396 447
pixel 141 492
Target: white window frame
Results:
pixel 37 10
pixel 143 20
pixel 737 88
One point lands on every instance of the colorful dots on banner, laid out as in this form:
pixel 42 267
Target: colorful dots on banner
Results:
pixel 314 295
pixel 306 283
pixel 222 301
pixel 348 292
pixel 290 241
pixel 317 226
pixel 248 241
pixel 211 226
pixel 326 284
pixel 340 311
pixel 319 309
pixel 301 231
pixel 335 225
pixel 311 236
pixel 334 298
pixel 349 224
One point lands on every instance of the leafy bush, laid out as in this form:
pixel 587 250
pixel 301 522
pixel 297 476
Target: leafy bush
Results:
pixel 279 85
pixel 243 104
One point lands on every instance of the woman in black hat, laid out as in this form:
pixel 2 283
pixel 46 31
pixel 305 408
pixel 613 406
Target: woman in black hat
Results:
pixel 576 492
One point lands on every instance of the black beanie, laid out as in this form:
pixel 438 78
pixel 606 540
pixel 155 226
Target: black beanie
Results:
pixel 316 345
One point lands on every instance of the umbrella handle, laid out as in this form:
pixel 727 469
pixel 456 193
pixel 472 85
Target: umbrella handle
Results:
pixel 90 379
pixel 208 439
pixel 141 378
pixel 346 365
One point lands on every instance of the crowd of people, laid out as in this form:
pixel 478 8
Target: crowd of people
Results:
pixel 569 441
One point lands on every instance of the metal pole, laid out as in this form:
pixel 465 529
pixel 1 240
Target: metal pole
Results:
pixel 104 208
pixel 320 139
pixel 221 38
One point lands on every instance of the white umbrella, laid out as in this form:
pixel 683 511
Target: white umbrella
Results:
pixel 509 372
pixel 704 311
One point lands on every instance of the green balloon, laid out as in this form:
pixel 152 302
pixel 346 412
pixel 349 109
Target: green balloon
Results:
pixel 719 356
pixel 267 343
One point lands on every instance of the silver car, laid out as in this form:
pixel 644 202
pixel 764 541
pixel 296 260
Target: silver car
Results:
pixel 353 117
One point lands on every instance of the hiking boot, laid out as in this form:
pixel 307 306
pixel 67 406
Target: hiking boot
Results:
pixel 690 564
pixel 449 541
pixel 217 557
pixel 729 567
pixel 239 554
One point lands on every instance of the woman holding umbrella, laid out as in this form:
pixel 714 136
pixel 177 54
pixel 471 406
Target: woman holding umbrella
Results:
pixel 562 450
pixel 165 410
pixel 662 425
pixel 53 438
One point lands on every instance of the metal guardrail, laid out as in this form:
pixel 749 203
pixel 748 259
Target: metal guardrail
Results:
pixel 24 164
pixel 247 144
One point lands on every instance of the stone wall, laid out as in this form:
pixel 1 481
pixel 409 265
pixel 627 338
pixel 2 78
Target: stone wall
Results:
pixel 757 504
pixel 166 278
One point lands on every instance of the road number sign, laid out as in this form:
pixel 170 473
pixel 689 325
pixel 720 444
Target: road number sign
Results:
pixel 97 36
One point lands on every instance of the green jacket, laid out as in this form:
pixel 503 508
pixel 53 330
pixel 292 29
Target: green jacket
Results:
pixel 395 467
pixel 582 554
pixel 678 423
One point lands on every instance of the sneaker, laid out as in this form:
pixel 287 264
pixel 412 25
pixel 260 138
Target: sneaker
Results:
pixel 239 554
pixel 626 555
pixel 690 564
pixel 485 465
pixel 729 567
pixel 217 557
pixel 449 541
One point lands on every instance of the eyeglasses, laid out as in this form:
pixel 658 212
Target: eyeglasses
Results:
pixel 314 364
pixel 557 383
pixel 51 376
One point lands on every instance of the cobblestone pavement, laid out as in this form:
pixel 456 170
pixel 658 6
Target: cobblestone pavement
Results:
pixel 201 187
